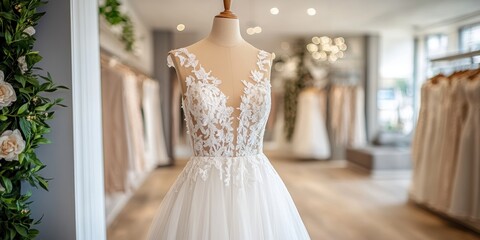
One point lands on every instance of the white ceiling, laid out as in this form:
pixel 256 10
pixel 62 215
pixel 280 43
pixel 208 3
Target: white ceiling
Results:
pixel 333 16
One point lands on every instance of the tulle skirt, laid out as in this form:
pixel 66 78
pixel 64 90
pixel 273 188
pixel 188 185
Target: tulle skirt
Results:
pixel 228 198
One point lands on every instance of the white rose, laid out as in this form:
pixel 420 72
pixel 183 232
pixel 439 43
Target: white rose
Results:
pixel 11 144
pixel 22 64
pixel 29 30
pixel 7 94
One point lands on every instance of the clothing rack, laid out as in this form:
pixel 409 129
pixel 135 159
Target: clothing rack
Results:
pixel 457 56
pixel 470 224
pixel 108 58
pixel 442 64
pixel 115 201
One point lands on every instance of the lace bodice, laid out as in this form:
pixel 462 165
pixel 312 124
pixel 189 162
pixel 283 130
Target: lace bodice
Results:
pixel 210 119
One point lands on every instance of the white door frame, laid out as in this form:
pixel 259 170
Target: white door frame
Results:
pixel 87 121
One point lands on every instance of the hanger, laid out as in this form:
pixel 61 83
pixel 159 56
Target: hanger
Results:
pixel 474 75
pixel 436 78
pixel 456 74
pixel 227 13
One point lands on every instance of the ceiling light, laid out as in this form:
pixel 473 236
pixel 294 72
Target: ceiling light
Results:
pixel 311 11
pixel 324 39
pixel 274 11
pixel 325 48
pixel 339 40
pixel 332 58
pixel 334 49
pixel 250 31
pixel 180 27
pixel 323 55
pixel 257 29
pixel 312 47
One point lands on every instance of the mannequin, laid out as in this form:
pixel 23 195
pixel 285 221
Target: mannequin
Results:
pixel 228 179
pixel 226 54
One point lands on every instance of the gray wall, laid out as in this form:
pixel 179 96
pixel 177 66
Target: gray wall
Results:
pixel 162 44
pixel 58 205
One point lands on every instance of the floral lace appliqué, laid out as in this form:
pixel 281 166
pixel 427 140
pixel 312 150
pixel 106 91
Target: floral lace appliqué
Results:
pixel 209 118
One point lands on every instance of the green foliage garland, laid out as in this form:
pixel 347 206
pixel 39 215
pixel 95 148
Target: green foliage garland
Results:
pixel 24 111
pixel 111 11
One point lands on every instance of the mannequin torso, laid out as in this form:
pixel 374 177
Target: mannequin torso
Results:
pixel 229 58
pixel 226 101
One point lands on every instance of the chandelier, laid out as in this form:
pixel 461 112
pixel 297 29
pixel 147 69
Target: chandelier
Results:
pixel 325 48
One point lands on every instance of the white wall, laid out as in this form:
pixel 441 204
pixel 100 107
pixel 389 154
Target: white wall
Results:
pixel 142 56
pixel 396 54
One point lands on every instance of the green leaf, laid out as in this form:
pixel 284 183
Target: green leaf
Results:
pixel 13 233
pixel 6 3
pixel 32 233
pixel 33 58
pixel 8 38
pixel 25 126
pixel 43 183
pixel 22 109
pixel 33 81
pixel 43 108
pixel 21 157
pixel 7 184
pixel 21 79
pixel 21 230
pixel 3 118
pixel 27 91
pixel 43 141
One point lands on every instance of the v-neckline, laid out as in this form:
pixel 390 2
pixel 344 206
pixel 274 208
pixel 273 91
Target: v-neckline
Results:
pixel 220 81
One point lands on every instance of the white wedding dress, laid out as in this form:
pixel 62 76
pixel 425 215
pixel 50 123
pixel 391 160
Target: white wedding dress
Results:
pixel 310 138
pixel 228 189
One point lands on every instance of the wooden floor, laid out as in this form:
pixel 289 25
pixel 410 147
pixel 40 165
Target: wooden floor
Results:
pixel 335 202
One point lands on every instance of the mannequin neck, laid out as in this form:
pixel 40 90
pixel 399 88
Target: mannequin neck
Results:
pixel 225 32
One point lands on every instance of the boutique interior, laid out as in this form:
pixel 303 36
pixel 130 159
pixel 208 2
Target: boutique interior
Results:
pixel 375 111
pixel 372 125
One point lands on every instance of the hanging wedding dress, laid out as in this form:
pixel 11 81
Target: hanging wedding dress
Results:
pixel 155 148
pixel 228 190
pixel 466 187
pixel 439 133
pixel 426 155
pixel 310 138
pixel 419 143
pixel 455 106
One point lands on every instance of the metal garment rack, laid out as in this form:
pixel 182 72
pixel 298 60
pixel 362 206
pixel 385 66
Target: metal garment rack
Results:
pixel 440 64
pixel 458 56
pixel 106 57
pixel 470 224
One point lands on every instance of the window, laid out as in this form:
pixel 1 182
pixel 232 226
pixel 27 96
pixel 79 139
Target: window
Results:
pixel 436 45
pixel 470 38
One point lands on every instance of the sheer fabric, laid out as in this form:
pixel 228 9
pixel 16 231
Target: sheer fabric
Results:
pixel 228 190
